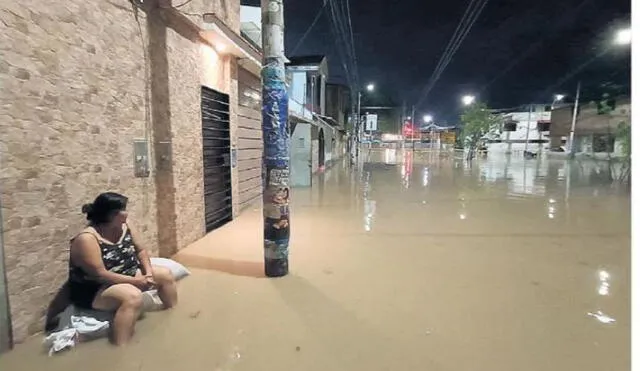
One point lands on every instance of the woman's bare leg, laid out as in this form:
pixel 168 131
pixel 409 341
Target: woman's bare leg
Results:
pixel 126 300
pixel 167 290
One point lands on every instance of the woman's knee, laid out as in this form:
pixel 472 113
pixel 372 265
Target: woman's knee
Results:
pixel 162 275
pixel 115 296
pixel 133 298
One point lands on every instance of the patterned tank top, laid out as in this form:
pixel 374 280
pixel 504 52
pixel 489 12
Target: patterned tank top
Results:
pixel 118 258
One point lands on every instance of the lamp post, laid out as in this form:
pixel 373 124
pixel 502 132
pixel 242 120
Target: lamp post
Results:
pixel 428 119
pixel 370 88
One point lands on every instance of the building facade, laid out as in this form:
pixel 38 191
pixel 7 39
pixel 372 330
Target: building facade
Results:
pixel 523 130
pixel 109 96
pixel 595 131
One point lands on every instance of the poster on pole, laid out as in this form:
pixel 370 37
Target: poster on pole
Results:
pixel 371 122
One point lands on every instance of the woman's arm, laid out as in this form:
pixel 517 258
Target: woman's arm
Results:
pixel 143 256
pixel 85 252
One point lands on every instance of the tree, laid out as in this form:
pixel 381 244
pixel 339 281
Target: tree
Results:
pixel 478 124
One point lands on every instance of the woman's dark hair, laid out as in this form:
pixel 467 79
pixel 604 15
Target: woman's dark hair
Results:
pixel 106 206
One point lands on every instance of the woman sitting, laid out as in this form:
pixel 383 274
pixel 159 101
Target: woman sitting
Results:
pixel 109 269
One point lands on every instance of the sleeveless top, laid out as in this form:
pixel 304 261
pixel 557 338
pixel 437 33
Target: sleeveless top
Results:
pixel 120 258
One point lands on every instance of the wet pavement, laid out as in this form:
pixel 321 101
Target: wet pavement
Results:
pixel 416 261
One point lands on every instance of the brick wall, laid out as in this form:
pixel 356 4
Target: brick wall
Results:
pixel 71 103
pixel 74 97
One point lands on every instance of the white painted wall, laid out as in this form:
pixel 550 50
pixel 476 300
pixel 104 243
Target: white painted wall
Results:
pixel 301 156
pixel 523 120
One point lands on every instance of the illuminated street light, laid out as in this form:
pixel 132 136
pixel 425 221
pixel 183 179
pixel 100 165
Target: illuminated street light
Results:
pixel 624 37
pixel 468 100
pixel 427 118
pixel 558 98
pixel 371 87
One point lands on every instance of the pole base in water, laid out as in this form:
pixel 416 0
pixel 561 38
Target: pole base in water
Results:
pixel 276 267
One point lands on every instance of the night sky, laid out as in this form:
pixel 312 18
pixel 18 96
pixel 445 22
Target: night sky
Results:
pixel 518 51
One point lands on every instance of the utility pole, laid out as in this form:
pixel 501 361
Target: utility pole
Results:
pixel 413 124
pixel 275 133
pixel 574 119
pixel 359 118
pixel 526 142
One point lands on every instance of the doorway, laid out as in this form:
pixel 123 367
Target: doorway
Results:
pixel 321 149
pixel 301 163
pixel 5 320
pixel 216 159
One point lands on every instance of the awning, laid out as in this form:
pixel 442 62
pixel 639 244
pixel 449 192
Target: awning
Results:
pixel 323 122
pixel 328 119
pixel 211 30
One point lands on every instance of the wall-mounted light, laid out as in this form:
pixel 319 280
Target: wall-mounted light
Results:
pixel 220 47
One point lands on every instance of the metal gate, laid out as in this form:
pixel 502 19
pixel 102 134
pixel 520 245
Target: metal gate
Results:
pixel 216 153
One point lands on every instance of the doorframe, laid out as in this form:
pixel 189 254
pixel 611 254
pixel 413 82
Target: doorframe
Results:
pixel 6 335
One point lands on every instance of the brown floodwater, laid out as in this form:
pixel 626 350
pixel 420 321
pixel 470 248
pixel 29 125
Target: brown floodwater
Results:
pixel 416 261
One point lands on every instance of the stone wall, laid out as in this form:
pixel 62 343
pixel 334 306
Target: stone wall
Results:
pixel 71 104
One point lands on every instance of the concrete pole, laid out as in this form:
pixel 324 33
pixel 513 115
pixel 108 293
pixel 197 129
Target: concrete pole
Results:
pixel 413 126
pixel 358 138
pixel 276 140
pixel 526 142
pixel 574 119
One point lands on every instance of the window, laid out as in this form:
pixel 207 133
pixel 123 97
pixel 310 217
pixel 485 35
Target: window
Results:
pixel 603 143
pixel 510 126
pixel 544 126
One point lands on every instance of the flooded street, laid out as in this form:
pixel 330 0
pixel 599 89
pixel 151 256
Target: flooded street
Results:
pixel 417 261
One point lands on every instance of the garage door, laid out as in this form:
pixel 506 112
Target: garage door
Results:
pixel 249 138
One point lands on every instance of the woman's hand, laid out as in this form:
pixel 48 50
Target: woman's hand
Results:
pixel 141 282
pixel 150 281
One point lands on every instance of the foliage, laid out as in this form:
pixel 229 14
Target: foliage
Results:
pixel 478 123
pixel 624 136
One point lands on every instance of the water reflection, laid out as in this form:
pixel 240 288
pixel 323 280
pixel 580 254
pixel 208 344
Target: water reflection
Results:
pixel 390 156
pixel 603 287
pixel 425 177
pixel 407 168
pixel 601 317
pixel 369 205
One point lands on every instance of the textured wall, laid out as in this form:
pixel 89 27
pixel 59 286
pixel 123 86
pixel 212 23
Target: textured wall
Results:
pixel 71 103
pixel 226 10
pixel 73 78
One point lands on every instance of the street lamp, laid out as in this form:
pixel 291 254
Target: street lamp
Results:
pixel 558 98
pixel 468 100
pixel 370 88
pixel 623 37
pixel 427 118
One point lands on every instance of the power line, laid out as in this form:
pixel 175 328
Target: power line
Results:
pixel 344 46
pixel 473 11
pixel 306 33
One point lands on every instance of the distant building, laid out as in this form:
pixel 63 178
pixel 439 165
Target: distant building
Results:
pixel 522 127
pixel 595 132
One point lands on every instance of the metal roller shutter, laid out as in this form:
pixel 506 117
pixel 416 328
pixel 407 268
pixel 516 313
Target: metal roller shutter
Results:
pixel 249 138
pixel 216 143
